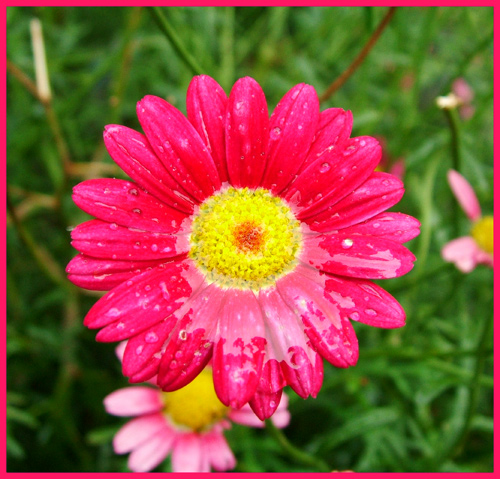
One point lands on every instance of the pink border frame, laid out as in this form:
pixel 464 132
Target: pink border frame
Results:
pixel 3 463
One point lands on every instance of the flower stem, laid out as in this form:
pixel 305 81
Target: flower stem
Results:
pixel 360 58
pixel 41 256
pixel 451 118
pixel 293 452
pixel 174 39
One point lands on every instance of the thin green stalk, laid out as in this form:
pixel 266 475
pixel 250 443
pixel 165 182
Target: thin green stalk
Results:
pixel 451 118
pixel 293 452
pixel 474 389
pixel 42 258
pixel 174 39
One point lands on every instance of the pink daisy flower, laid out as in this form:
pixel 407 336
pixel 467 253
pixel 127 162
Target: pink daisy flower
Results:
pixel 469 251
pixel 187 423
pixel 242 238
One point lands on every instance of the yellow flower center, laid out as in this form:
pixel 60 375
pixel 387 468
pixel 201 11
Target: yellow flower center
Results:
pixel 195 406
pixel 482 232
pixel 244 238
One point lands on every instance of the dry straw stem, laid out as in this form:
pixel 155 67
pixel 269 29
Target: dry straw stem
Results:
pixel 360 58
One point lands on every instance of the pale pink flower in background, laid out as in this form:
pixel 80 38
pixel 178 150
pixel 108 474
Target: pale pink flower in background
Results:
pixel 388 164
pixel 243 239
pixel 465 94
pixel 187 424
pixel 477 248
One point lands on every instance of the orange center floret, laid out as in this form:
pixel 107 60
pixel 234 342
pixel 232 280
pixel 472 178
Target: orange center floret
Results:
pixel 249 237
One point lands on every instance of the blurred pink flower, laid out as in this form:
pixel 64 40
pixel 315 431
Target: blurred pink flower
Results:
pixel 187 423
pixel 388 164
pixel 469 251
pixel 243 239
pixel 465 94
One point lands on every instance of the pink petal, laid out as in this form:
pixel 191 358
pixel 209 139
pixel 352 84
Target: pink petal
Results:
pixel 247 133
pixel 281 418
pixel 187 455
pixel 304 375
pixel 138 431
pixel 149 454
pixel 334 129
pixel 288 343
pixel 133 401
pixel 268 393
pixel 179 147
pixel 357 256
pixel 247 417
pixel 333 175
pixel 190 346
pixel 362 301
pixel 144 351
pixel 394 226
pixel 218 451
pixel 133 154
pixel 330 334
pixel 264 404
pixel 109 241
pixel 123 203
pixel 464 252
pixel 291 129
pixel 206 109
pixel 464 194
pixel 143 301
pixel 239 351
pixel 105 274
pixel 379 192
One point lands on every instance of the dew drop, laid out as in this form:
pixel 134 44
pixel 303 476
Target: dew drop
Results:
pixel 151 337
pixel 120 326
pixel 324 167
pixel 376 225
pixel 370 312
pixel 133 191
pixel 354 316
pixel 183 335
pixel 114 312
pixel 275 133
pixel 137 211
pixel 139 349
pixel 106 191
pixel 113 226
pixel 347 243
pixel 154 247
pixel 147 287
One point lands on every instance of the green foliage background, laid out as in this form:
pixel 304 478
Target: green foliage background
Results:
pixel 420 398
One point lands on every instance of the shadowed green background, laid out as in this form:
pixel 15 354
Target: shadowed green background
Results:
pixel 420 398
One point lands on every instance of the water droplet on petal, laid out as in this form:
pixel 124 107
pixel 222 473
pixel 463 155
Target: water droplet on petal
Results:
pixel 347 243
pixel 139 349
pixel 183 335
pixel 154 247
pixel 137 211
pixel 133 191
pixel 324 167
pixel 151 337
pixel 354 316
pixel 275 133
pixel 370 312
